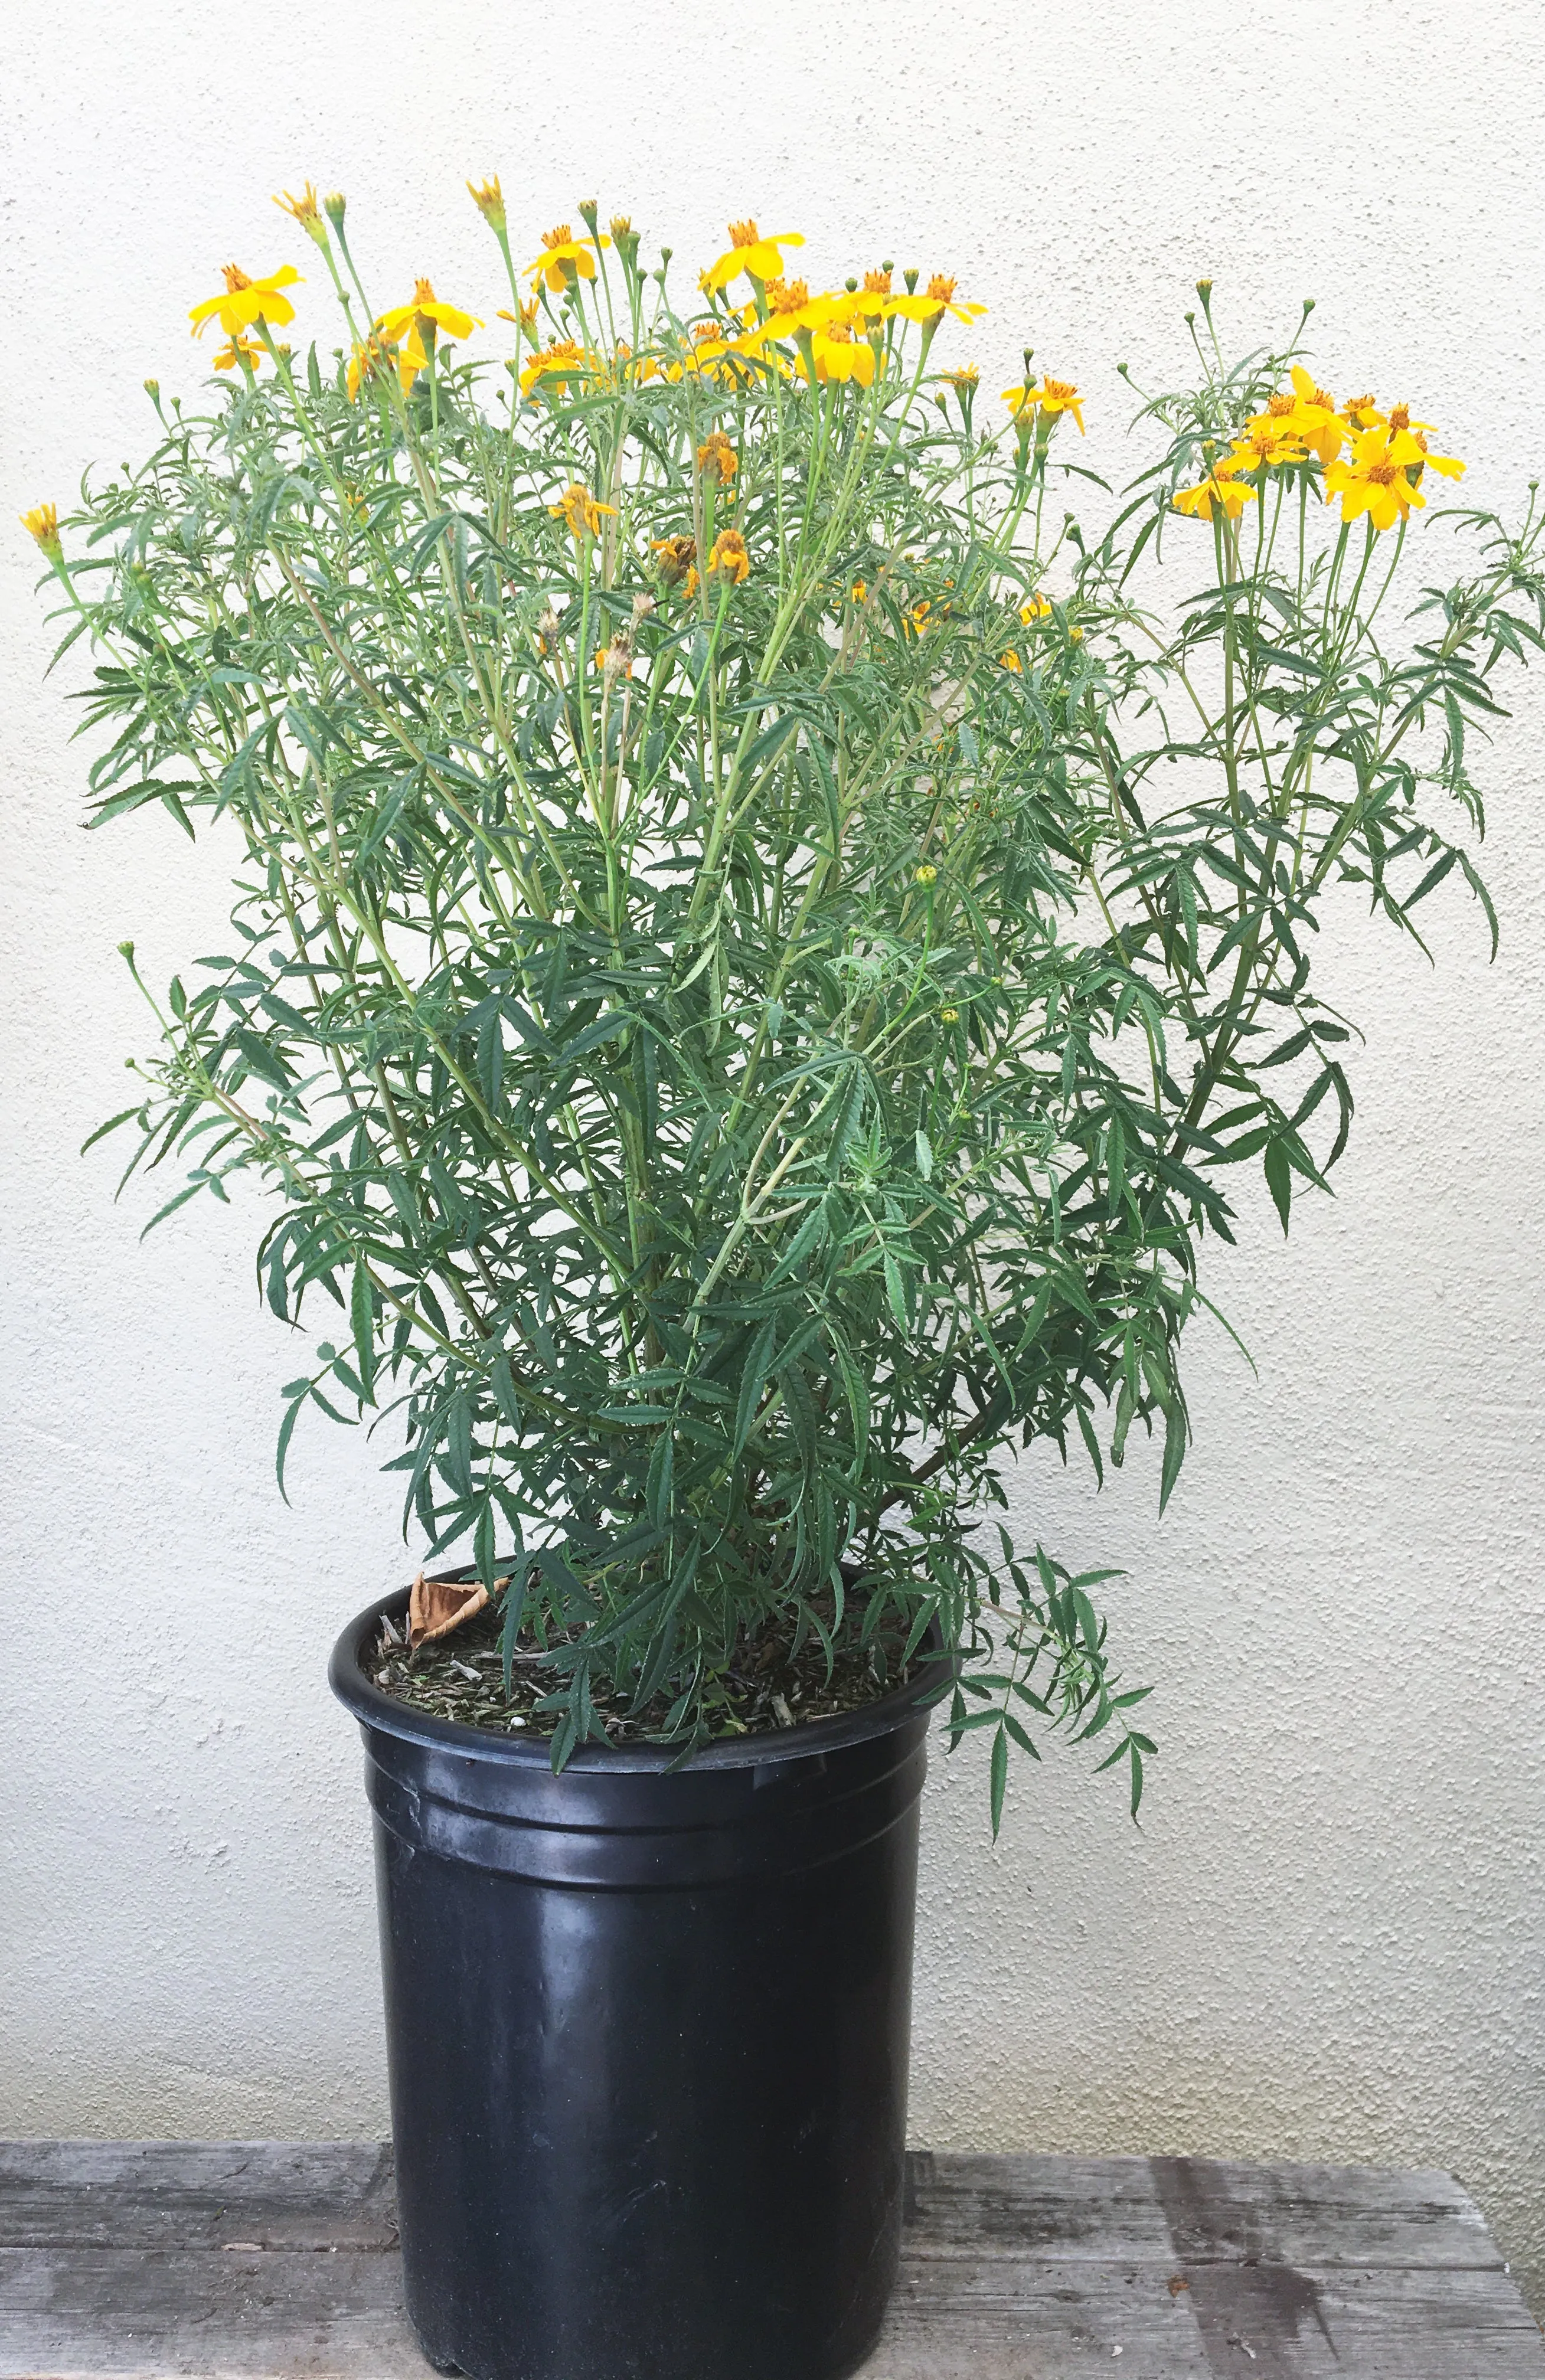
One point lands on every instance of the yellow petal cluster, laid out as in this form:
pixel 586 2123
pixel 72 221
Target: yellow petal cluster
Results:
pixel 1372 460
pixel 244 301
pixel 750 252
pixel 581 511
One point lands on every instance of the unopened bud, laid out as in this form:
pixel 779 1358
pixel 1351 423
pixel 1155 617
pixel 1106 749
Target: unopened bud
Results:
pixel 333 207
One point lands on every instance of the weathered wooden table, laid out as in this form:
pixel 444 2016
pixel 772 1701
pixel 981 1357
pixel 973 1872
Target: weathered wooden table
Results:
pixel 159 2258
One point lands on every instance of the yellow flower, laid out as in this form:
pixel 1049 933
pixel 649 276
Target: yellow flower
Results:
pixel 527 317
pixel 580 510
pixel 375 354
pixel 728 560
pixel 42 523
pixel 1038 607
pixel 1052 396
pixel 925 874
pixel 713 357
pixel 839 356
pixel 424 309
pixel 749 252
pixel 1011 662
pixel 964 376
pixel 1267 444
pixel 564 360
pixel 717 458
pixel 241 350
pixel 1308 415
pixel 1220 487
pixel 1361 412
pixel 937 299
pixel 1372 481
pixel 489 199
pixel 564 259
pixel 306 212
pixel 245 301
pixel 677 562
pixel 859 592
pixel 422 319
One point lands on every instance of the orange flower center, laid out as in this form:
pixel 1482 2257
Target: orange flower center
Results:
pixel 1059 390
pixel 839 334
pixel 1279 405
pixel 744 234
pixel 236 278
pixel 559 236
pixel 423 293
pixel 787 296
pixel 1382 475
pixel 879 282
pixel 1400 418
pixel 941 288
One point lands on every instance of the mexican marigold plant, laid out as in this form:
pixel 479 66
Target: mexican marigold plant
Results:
pixel 741 1019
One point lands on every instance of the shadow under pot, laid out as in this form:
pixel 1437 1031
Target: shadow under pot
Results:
pixel 648 2032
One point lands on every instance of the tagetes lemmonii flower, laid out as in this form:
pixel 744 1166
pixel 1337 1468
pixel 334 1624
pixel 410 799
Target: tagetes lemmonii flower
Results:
pixel 564 259
pixel 376 355
pixel 717 458
pixel 1373 479
pixel 1220 487
pixel 580 510
pixel 423 317
pixel 713 357
pixel 1051 397
pixel 936 300
pixel 839 356
pixel 728 560
pixel 564 360
pixel 1267 443
pixel 749 252
pixel 1308 415
pixel 42 523
pixel 1409 446
pixel 240 350
pixel 245 301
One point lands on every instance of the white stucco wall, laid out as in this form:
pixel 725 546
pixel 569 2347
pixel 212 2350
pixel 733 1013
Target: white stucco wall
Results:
pixel 1326 1941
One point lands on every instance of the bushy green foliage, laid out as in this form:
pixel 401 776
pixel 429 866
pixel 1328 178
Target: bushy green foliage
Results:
pixel 739 1050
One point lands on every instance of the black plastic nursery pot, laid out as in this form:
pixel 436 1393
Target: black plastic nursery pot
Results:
pixel 646 2032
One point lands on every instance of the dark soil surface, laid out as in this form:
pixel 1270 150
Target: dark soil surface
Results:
pixel 461 1677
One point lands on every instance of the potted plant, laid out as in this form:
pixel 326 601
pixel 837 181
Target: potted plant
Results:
pixel 758 943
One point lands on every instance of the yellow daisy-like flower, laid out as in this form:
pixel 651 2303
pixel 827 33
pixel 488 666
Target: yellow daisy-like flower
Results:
pixel 245 301
pixel 934 302
pixel 713 357
pixel 1312 417
pixel 1220 487
pixel 1372 481
pixel 728 560
pixel 1011 662
pixel 1038 607
pixel 240 350
pixel 1362 413
pixel 564 359
pixel 838 355
pixel 424 309
pixel 581 511
pixel 1267 444
pixel 717 458
pixel 421 320
pixel 749 252
pixel 42 523
pixel 964 376
pixel 563 258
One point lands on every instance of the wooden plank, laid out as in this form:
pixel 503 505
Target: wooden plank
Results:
pixel 197 2193
pixel 271 2261
pixel 1320 2214
pixel 203 2312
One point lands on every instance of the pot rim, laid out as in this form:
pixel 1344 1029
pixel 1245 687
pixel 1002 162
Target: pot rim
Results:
pixel 346 1675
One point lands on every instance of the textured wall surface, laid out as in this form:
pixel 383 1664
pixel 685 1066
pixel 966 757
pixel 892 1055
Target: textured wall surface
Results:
pixel 1326 1940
